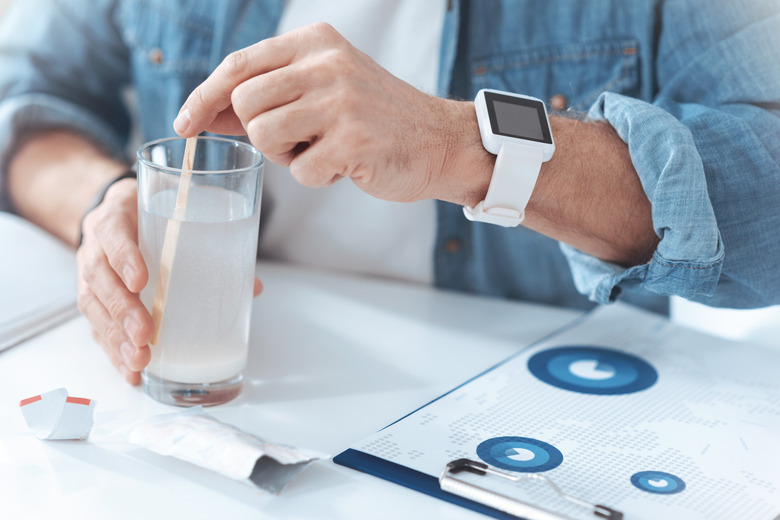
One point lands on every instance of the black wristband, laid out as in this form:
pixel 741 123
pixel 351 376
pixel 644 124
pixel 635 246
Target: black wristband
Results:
pixel 128 174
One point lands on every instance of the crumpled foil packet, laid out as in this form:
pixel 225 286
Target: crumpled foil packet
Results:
pixel 198 438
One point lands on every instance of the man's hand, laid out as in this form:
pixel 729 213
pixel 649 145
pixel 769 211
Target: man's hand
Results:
pixel 311 101
pixel 111 274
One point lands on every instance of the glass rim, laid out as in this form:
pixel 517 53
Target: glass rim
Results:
pixel 177 170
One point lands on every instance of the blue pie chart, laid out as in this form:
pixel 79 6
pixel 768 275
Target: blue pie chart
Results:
pixel 657 482
pixel 592 370
pixel 519 454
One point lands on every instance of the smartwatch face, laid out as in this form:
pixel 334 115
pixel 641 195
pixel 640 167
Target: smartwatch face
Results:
pixel 518 117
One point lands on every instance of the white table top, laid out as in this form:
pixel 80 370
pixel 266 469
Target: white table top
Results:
pixel 332 359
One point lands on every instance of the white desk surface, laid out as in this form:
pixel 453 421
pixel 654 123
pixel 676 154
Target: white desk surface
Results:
pixel 333 359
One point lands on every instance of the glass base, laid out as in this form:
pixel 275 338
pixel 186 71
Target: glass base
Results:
pixel 192 394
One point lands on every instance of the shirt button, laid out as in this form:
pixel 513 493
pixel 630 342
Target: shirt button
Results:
pixel 558 102
pixel 156 56
pixel 453 245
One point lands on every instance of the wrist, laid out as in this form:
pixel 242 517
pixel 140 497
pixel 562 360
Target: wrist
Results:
pixel 63 169
pixel 516 128
pixel 467 167
pixel 100 196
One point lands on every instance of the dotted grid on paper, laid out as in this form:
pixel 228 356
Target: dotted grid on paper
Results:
pixel 698 423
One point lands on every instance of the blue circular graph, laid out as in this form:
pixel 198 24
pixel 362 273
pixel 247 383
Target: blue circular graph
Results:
pixel 658 482
pixel 519 454
pixel 592 370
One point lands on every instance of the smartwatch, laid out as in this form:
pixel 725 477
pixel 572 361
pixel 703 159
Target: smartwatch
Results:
pixel 516 129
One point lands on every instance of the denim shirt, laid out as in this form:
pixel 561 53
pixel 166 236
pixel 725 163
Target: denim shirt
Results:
pixel 692 87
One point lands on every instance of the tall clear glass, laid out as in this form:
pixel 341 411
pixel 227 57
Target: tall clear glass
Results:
pixel 203 336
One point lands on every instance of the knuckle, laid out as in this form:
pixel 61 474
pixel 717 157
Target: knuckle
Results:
pixel 257 132
pixel 236 64
pixel 122 191
pixel 198 97
pixel 335 66
pixel 287 123
pixel 325 31
pixel 116 306
pixel 90 263
pixel 113 334
pixel 85 299
pixel 101 217
pixel 121 250
pixel 339 60
pixel 239 98
pixel 90 220
pixel 305 175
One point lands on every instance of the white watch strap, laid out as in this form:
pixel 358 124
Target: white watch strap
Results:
pixel 514 177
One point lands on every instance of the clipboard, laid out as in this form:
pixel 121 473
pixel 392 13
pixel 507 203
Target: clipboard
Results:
pixel 657 443
pixel 450 487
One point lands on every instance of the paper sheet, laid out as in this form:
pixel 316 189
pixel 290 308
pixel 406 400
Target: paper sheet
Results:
pixel 624 409
pixel 38 286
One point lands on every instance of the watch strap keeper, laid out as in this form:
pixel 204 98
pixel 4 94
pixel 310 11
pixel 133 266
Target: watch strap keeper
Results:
pixel 514 177
pixel 127 174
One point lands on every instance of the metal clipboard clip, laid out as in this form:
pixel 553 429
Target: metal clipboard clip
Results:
pixel 450 483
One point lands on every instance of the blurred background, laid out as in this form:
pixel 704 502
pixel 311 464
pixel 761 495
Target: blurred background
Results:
pixel 755 325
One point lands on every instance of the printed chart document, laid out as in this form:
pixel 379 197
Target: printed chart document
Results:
pixel 38 281
pixel 623 408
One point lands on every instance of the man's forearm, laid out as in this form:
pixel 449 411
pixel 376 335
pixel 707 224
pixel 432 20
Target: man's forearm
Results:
pixel 53 178
pixel 588 195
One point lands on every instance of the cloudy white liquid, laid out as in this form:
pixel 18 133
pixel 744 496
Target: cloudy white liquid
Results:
pixel 205 328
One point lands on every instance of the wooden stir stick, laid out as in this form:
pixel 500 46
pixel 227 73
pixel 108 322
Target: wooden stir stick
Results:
pixel 172 238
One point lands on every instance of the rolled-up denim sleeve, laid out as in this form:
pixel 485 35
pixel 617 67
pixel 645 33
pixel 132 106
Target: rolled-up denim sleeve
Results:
pixel 707 152
pixel 62 66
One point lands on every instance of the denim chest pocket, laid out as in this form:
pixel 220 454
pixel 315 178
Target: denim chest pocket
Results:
pixel 167 36
pixel 573 75
pixel 170 44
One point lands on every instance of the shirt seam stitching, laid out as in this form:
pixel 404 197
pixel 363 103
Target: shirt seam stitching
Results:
pixel 711 266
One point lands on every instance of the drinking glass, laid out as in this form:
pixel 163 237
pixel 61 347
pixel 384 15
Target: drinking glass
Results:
pixel 203 327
